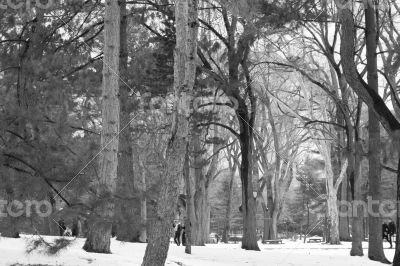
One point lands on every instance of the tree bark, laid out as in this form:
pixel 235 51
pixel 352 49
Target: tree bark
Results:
pixel 99 235
pixel 200 195
pixel 143 203
pixel 396 259
pixel 228 215
pixel 375 243
pixel 331 195
pixel 189 204
pixel 249 241
pixel 368 95
pixel 358 212
pixel 268 234
pixel 344 229
pixel 184 77
pixel 125 219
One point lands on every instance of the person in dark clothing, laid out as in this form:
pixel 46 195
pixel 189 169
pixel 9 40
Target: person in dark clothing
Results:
pixel 75 228
pixel 392 229
pixel 178 229
pixel 183 236
pixel 62 227
pixel 385 233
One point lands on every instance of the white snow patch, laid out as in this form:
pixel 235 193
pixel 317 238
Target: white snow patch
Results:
pixel 123 254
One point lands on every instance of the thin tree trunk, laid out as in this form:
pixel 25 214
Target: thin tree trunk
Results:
pixel 268 235
pixel 358 212
pixel 143 203
pixel 344 229
pixel 228 215
pixel 189 205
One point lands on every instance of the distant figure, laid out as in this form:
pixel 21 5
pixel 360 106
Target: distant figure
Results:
pixel 178 229
pixel 217 237
pixel 62 227
pixel 67 232
pixel 183 236
pixel 392 228
pixel 76 227
pixel 385 233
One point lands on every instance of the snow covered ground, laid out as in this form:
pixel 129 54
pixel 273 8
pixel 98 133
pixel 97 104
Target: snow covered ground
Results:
pixel 290 253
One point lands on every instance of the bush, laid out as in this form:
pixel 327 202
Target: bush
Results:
pixel 49 248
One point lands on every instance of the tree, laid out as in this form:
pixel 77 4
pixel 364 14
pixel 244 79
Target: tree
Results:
pixel 375 250
pixel 99 235
pixel 184 77
pixel 367 93
pixel 232 156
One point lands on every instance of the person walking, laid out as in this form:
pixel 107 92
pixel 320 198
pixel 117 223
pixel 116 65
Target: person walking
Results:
pixel 385 233
pixel 178 229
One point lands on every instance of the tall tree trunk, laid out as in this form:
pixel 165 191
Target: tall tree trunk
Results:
pixel 199 200
pixel 125 219
pixel 249 241
pixel 99 235
pixel 375 243
pixel 184 77
pixel 268 235
pixel 396 259
pixel 228 215
pixel 332 196
pixel 267 223
pixel 358 212
pixel 274 224
pixel 189 204
pixel 344 229
pixel 143 202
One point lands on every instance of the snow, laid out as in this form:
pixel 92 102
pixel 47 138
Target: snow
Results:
pixel 290 253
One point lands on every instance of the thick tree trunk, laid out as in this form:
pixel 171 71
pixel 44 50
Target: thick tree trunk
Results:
pixel 125 218
pixel 184 77
pixel 98 239
pixel 375 243
pixel 332 196
pixel 334 219
pixel 199 201
pixel 201 214
pixel 201 222
pixel 249 241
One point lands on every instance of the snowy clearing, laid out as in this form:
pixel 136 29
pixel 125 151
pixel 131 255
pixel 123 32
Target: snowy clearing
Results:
pixel 124 254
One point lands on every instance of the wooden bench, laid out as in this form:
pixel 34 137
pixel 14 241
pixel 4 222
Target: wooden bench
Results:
pixel 314 240
pixel 276 241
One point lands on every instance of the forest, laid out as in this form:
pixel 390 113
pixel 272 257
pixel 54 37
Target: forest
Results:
pixel 239 122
